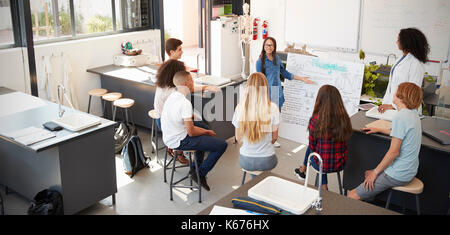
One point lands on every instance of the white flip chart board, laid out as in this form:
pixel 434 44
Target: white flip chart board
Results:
pixel 383 20
pixel 301 97
pixel 330 24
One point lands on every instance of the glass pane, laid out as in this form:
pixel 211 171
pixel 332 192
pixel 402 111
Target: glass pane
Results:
pixel 6 31
pixel 135 13
pixel 50 19
pixel 118 15
pixel 95 16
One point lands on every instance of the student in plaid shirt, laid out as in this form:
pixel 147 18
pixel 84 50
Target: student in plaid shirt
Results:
pixel 329 129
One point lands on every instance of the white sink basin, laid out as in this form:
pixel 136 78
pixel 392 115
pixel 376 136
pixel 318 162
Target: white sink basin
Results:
pixel 77 121
pixel 284 194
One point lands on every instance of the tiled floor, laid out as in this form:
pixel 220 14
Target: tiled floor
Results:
pixel 147 194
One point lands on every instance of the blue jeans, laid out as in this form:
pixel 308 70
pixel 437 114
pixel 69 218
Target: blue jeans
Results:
pixel 314 164
pixel 215 146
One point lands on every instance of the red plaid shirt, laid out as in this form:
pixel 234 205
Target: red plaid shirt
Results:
pixel 334 154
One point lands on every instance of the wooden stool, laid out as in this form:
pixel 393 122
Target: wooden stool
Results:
pixel 110 97
pixel 154 134
pixel 96 93
pixel 124 104
pixel 253 173
pixel 174 184
pixel 414 187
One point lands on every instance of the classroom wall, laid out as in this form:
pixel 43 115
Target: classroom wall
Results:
pixel 84 54
pixel 275 14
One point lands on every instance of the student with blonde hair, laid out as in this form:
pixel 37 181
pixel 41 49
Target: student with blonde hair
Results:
pixel 256 120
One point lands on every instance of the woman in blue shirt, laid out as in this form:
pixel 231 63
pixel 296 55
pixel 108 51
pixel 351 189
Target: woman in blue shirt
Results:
pixel 270 65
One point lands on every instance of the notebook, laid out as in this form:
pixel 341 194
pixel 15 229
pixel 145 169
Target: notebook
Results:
pixel 30 135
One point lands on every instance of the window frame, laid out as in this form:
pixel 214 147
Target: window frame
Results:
pixel 152 14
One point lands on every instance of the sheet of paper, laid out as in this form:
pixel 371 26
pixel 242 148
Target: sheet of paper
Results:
pixel 219 210
pixel 347 77
pixel 30 135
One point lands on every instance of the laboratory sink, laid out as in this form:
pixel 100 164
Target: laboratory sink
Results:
pixel 77 121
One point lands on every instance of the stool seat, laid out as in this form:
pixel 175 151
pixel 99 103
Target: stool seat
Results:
pixel 111 97
pixel 98 92
pixel 152 114
pixel 124 103
pixel 414 187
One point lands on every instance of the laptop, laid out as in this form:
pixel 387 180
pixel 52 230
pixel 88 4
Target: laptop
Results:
pixel 437 129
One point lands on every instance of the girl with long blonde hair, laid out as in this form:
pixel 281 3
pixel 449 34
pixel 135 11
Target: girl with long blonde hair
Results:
pixel 256 120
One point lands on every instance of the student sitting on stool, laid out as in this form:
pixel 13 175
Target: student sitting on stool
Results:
pixel 329 129
pixel 256 120
pixel 180 133
pixel 400 164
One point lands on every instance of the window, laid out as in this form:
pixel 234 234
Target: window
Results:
pixel 135 13
pixel 96 16
pixel 50 19
pixel 6 29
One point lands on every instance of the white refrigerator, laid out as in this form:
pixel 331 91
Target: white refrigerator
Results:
pixel 226 58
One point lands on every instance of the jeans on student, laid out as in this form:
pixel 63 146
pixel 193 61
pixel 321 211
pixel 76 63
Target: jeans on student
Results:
pixel 215 146
pixel 258 163
pixel 314 164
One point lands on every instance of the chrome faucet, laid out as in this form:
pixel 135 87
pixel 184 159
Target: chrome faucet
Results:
pixel 392 54
pixel 318 203
pixel 60 100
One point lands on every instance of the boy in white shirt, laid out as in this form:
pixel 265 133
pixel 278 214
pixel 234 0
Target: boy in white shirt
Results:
pixel 180 133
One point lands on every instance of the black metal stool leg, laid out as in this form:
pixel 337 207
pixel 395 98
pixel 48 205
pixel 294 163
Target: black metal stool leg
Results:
pixel 198 178
pixel 417 204
pixel 388 199
pixel 171 181
pixel 89 104
pixel 114 109
pixel 165 167
pixel 243 178
pixel 339 182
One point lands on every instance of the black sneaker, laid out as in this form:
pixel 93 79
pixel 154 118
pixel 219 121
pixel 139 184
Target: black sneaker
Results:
pixel 300 175
pixel 203 182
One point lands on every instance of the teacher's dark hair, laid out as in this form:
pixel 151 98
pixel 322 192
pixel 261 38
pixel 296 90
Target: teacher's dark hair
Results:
pixel 263 54
pixel 415 42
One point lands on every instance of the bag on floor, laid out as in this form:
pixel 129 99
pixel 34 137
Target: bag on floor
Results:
pixel 133 155
pixel 47 202
pixel 122 134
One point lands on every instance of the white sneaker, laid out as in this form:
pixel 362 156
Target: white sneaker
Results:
pixel 276 144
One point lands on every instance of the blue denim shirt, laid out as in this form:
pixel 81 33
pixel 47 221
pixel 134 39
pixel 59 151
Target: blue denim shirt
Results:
pixel 273 78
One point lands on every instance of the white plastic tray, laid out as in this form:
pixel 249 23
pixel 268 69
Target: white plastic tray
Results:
pixel 284 194
pixel 77 122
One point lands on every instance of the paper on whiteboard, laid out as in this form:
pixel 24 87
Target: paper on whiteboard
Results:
pixel 347 77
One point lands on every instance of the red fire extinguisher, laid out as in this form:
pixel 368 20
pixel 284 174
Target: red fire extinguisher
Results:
pixel 255 28
pixel 265 32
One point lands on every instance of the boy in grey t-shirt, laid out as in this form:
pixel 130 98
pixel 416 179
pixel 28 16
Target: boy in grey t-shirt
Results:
pixel 399 165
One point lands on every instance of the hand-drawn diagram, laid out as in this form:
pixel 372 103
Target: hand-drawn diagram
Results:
pixel 347 77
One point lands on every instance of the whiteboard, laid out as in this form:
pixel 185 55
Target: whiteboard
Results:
pixel 347 77
pixel 383 19
pixel 331 24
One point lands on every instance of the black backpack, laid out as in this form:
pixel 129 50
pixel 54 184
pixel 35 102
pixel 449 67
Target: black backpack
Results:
pixel 47 202
pixel 122 135
pixel 133 155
